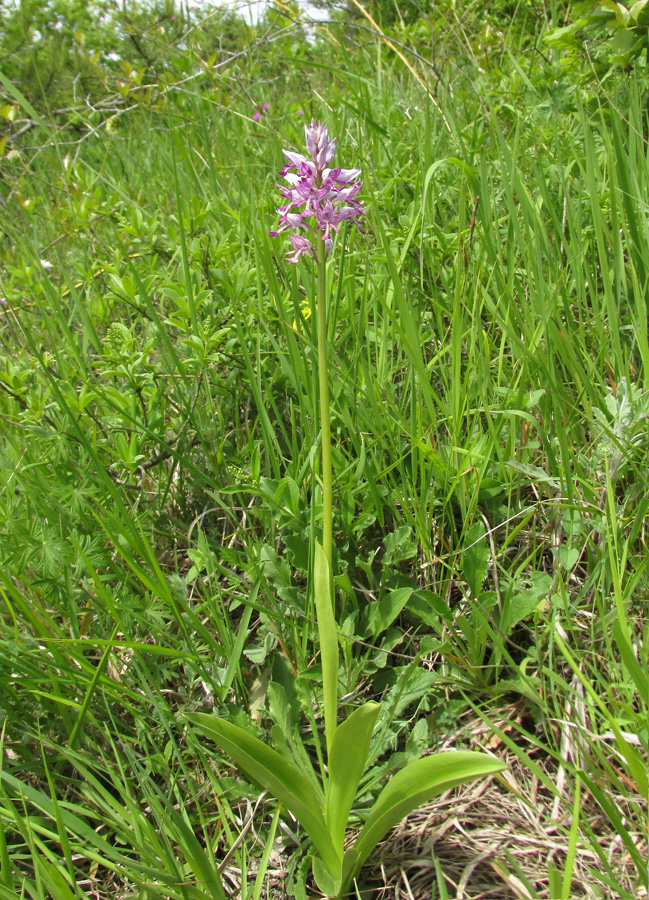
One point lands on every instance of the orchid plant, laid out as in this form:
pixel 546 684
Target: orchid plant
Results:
pixel 320 197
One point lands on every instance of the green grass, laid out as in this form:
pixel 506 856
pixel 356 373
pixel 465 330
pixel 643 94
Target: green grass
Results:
pixel 159 440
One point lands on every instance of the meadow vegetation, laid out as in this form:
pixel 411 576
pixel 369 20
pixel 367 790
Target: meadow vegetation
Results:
pixel 488 355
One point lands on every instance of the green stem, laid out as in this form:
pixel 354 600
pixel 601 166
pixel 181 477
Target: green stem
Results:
pixel 327 488
pixel 323 561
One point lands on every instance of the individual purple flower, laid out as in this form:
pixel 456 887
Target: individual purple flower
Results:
pixel 301 245
pixel 260 112
pixel 319 198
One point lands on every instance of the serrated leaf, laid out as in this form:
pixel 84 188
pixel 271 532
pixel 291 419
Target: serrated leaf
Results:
pixel 281 778
pixel 289 737
pixel 535 473
pixel 347 761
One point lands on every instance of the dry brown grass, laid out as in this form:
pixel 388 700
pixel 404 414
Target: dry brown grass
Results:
pixel 494 840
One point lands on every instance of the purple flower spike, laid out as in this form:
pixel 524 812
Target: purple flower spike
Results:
pixel 319 198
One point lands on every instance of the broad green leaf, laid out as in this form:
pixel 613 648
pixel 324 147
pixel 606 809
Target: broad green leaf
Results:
pixel 637 8
pixel 398 547
pixel 568 557
pixel 640 12
pixel 562 38
pixel 281 778
pixel 412 786
pixel 522 602
pixel 622 14
pixel 428 607
pixel 327 883
pixel 328 642
pixel 382 614
pixel 347 760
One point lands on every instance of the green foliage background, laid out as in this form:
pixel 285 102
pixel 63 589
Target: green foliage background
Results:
pixel 158 427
